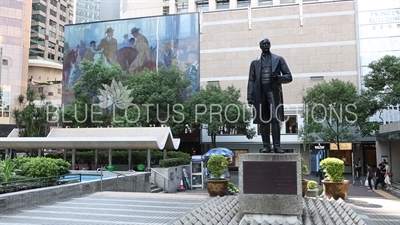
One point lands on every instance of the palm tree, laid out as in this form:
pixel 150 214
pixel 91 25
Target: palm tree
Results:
pixel 31 119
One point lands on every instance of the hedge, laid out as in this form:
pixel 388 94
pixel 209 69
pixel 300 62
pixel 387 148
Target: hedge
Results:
pixel 172 162
pixel 119 157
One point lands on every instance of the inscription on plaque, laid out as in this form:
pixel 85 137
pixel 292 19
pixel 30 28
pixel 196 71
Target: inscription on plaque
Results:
pixel 269 178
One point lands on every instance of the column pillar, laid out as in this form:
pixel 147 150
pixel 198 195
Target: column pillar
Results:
pixel 39 152
pixel 254 3
pixel 192 6
pixel 96 158
pixel 165 153
pixel 172 7
pixel 232 4
pixel 129 159
pixel 73 158
pixel 109 157
pixel 6 152
pixel 212 5
pixel 65 154
pixel 148 158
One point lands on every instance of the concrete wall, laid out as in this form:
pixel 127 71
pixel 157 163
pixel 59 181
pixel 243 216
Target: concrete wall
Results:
pixel 173 173
pixel 138 182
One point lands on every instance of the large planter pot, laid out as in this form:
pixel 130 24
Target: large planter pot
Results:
pixel 336 190
pixel 312 193
pixel 304 187
pixel 217 187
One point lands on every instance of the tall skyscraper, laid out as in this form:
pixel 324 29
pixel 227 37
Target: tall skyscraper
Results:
pixel 47 29
pixel 96 10
pixel 87 11
pixel 14 44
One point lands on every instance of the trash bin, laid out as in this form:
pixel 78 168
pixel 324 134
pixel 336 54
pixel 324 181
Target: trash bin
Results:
pixel 111 168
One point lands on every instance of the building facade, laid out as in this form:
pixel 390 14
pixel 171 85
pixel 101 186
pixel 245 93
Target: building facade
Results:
pixel 15 23
pixel 47 46
pixel 379 35
pixel 87 11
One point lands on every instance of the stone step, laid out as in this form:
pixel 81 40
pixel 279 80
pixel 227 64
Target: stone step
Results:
pixel 156 190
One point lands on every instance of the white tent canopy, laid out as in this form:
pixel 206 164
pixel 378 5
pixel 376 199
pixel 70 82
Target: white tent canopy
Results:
pixel 127 138
pixel 96 138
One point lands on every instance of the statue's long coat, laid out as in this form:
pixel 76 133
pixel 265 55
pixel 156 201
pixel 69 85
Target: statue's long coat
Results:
pixel 254 91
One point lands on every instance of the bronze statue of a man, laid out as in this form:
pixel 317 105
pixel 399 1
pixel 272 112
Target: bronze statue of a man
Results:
pixel 264 92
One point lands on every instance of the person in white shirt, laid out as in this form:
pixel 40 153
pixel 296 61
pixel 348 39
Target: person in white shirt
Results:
pixel 387 177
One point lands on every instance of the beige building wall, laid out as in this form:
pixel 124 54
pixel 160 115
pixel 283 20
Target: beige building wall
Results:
pixel 321 46
pixel 14 40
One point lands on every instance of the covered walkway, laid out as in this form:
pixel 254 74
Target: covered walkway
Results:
pixel 126 138
pixel 388 147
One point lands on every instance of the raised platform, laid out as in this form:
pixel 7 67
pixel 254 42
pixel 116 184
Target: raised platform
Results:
pixel 225 211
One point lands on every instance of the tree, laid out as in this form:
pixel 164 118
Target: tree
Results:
pixel 219 109
pixel 32 119
pixel 83 111
pixel 157 100
pixel 381 89
pixel 330 112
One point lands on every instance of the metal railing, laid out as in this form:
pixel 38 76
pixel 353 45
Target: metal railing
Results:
pixel 101 176
pixel 33 183
pixel 166 179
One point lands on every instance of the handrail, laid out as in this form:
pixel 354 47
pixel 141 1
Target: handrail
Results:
pixel 163 176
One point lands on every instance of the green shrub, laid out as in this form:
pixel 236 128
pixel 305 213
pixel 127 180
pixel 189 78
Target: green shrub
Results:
pixel 217 165
pixel 333 169
pixel 312 184
pixel 304 169
pixel 41 167
pixel 320 191
pixel 7 169
pixel 173 162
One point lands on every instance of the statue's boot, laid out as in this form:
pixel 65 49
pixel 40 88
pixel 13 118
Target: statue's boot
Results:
pixel 265 132
pixel 276 137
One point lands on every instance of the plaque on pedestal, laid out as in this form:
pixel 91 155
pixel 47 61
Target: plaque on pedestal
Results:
pixel 270 184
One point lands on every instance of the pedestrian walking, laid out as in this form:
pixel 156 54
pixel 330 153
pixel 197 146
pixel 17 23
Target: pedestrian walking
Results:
pixel 370 175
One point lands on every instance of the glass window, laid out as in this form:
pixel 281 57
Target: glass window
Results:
pixel 62 18
pixel 222 4
pixel 5 62
pixel 36 52
pixel 38 18
pixel 291 124
pixel 53 13
pixel 213 82
pixel 243 3
pixel 53 24
pixel 343 155
pixel 63 8
pixel 60 49
pixel 202 5
pixel 37 41
pixel 61 28
pixel 52 45
pixel 287 1
pixel 38 6
pixel 10 21
pixel 265 2
pixel 50 56
pixel 38 29
pixel 53 2
pixel 52 34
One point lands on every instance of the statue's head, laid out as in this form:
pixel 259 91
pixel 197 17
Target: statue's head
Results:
pixel 265 45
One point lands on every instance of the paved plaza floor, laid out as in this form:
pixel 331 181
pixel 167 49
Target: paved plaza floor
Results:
pixel 109 208
pixel 119 208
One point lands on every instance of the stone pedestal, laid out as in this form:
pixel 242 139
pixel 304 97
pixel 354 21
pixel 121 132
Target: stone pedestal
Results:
pixel 270 187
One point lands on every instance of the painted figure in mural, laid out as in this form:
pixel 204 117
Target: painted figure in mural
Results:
pixel 125 57
pixel 192 74
pixel 267 74
pixel 167 54
pixel 91 52
pixel 108 46
pixel 144 52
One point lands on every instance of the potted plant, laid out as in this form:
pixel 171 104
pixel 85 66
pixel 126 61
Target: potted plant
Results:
pixel 312 190
pixel 217 166
pixel 304 182
pixel 335 186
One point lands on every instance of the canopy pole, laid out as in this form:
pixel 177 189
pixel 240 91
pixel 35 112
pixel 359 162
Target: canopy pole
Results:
pixel 129 159
pixel 96 158
pixel 148 159
pixel 73 159
pixel 109 157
